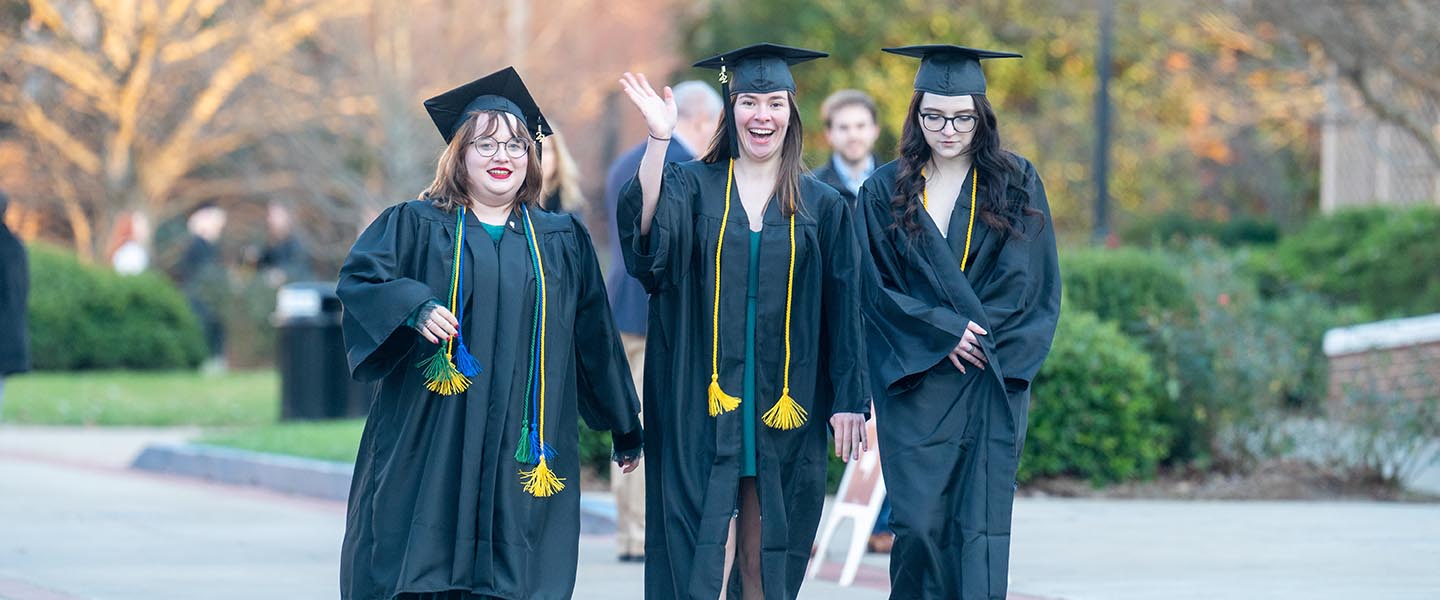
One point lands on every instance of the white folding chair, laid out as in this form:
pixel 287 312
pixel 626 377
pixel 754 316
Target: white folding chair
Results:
pixel 862 491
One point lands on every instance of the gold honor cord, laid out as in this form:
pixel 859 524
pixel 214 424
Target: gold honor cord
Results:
pixel 787 413
pixel 441 374
pixel 540 481
pixel 720 402
pixel 969 225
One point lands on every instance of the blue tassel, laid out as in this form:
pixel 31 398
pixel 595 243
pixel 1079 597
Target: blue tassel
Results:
pixel 538 450
pixel 464 361
pixel 524 452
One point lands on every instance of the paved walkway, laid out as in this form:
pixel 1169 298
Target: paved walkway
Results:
pixel 75 524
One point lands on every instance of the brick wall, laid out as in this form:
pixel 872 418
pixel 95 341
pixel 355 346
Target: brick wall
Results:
pixel 1411 372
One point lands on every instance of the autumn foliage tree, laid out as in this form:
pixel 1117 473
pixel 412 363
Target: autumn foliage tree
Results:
pixel 138 104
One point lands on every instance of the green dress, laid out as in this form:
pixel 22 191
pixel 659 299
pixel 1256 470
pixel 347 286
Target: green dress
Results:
pixel 495 231
pixel 747 405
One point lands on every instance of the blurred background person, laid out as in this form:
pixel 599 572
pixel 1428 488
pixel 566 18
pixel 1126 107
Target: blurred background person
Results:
pixel 560 191
pixel 699 109
pixel 851 128
pixel 14 291
pixel 285 257
pixel 130 245
pixel 202 278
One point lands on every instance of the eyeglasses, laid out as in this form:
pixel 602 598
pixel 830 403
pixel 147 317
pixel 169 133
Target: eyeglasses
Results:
pixel 488 146
pixel 936 122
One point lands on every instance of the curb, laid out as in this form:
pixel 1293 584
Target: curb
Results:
pixel 287 474
pixel 307 477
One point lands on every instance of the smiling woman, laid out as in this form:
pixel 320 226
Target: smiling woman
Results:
pixel 754 338
pixel 471 307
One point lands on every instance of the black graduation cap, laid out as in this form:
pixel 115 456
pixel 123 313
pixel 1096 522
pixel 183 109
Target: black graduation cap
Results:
pixel 755 69
pixel 950 70
pixel 502 90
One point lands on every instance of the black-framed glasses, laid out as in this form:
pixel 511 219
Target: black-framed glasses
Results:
pixel 936 122
pixel 488 146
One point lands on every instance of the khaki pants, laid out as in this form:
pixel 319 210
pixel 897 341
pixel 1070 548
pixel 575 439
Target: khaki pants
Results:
pixel 629 488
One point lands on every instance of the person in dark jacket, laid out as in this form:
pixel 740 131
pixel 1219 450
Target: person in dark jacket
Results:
pixel 699 109
pixel 14 292
pixel 202 278
pixel 851 128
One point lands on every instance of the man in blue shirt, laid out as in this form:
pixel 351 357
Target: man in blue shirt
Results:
pixel 851 128
pixel 699 108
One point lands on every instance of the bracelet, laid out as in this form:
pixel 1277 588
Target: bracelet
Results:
pixel 664 139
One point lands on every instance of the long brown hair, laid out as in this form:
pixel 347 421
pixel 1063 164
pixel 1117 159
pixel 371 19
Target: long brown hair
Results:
pixel 792 165
pixel 451 187
pixel 1002 199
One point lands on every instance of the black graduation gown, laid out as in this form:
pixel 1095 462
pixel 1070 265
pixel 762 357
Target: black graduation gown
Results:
pixel 950 442
pixel 692 459
pixel 436 502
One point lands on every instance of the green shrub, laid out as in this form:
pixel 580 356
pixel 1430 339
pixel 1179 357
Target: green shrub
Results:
pixel 1178 229
pixel 1383 259
pixel 1093 410
pixel 1125 286
pixel 86 317
pixel 1242 359
pixel 595 450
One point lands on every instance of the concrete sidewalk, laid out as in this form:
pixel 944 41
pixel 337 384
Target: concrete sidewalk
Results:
pixel 77 524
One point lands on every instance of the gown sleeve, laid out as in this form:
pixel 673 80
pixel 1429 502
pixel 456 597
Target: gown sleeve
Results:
pixel 378 296
pixel 659 259
pixel 1022 299
pixel 844 333
pixel 906 335
pixel 606 395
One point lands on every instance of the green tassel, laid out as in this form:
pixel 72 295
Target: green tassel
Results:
pixel 441 376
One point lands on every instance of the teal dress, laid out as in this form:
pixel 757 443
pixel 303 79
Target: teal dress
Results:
pixel 495 231
pixel 747 404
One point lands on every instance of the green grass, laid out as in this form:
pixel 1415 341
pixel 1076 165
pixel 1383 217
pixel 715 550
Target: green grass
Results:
pixel 325 440
pixel 143 398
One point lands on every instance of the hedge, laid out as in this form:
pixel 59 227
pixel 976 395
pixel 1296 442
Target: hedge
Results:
pixel 87 317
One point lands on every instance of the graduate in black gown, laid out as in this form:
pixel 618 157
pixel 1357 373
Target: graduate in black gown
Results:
pixel 486 322
pixel 753 346
pixel 962 308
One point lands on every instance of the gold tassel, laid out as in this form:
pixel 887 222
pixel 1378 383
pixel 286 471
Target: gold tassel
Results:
pixel 541 482
pixel 441 376
pixel 721 402
pixel 786 414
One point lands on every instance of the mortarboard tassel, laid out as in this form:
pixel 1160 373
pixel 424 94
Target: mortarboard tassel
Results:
pixel 720 402
pixel 539 481
pixel 441 374
pixel 787 413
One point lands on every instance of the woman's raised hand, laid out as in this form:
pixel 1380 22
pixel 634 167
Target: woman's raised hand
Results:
pixel 659 111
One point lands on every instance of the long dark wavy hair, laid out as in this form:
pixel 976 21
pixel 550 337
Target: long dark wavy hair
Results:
pixel 1003 201
pixel 792 164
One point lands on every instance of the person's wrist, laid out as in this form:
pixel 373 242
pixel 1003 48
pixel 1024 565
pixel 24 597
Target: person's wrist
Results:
pixel 660 138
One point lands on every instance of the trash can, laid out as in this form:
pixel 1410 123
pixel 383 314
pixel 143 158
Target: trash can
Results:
pixel 310 354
